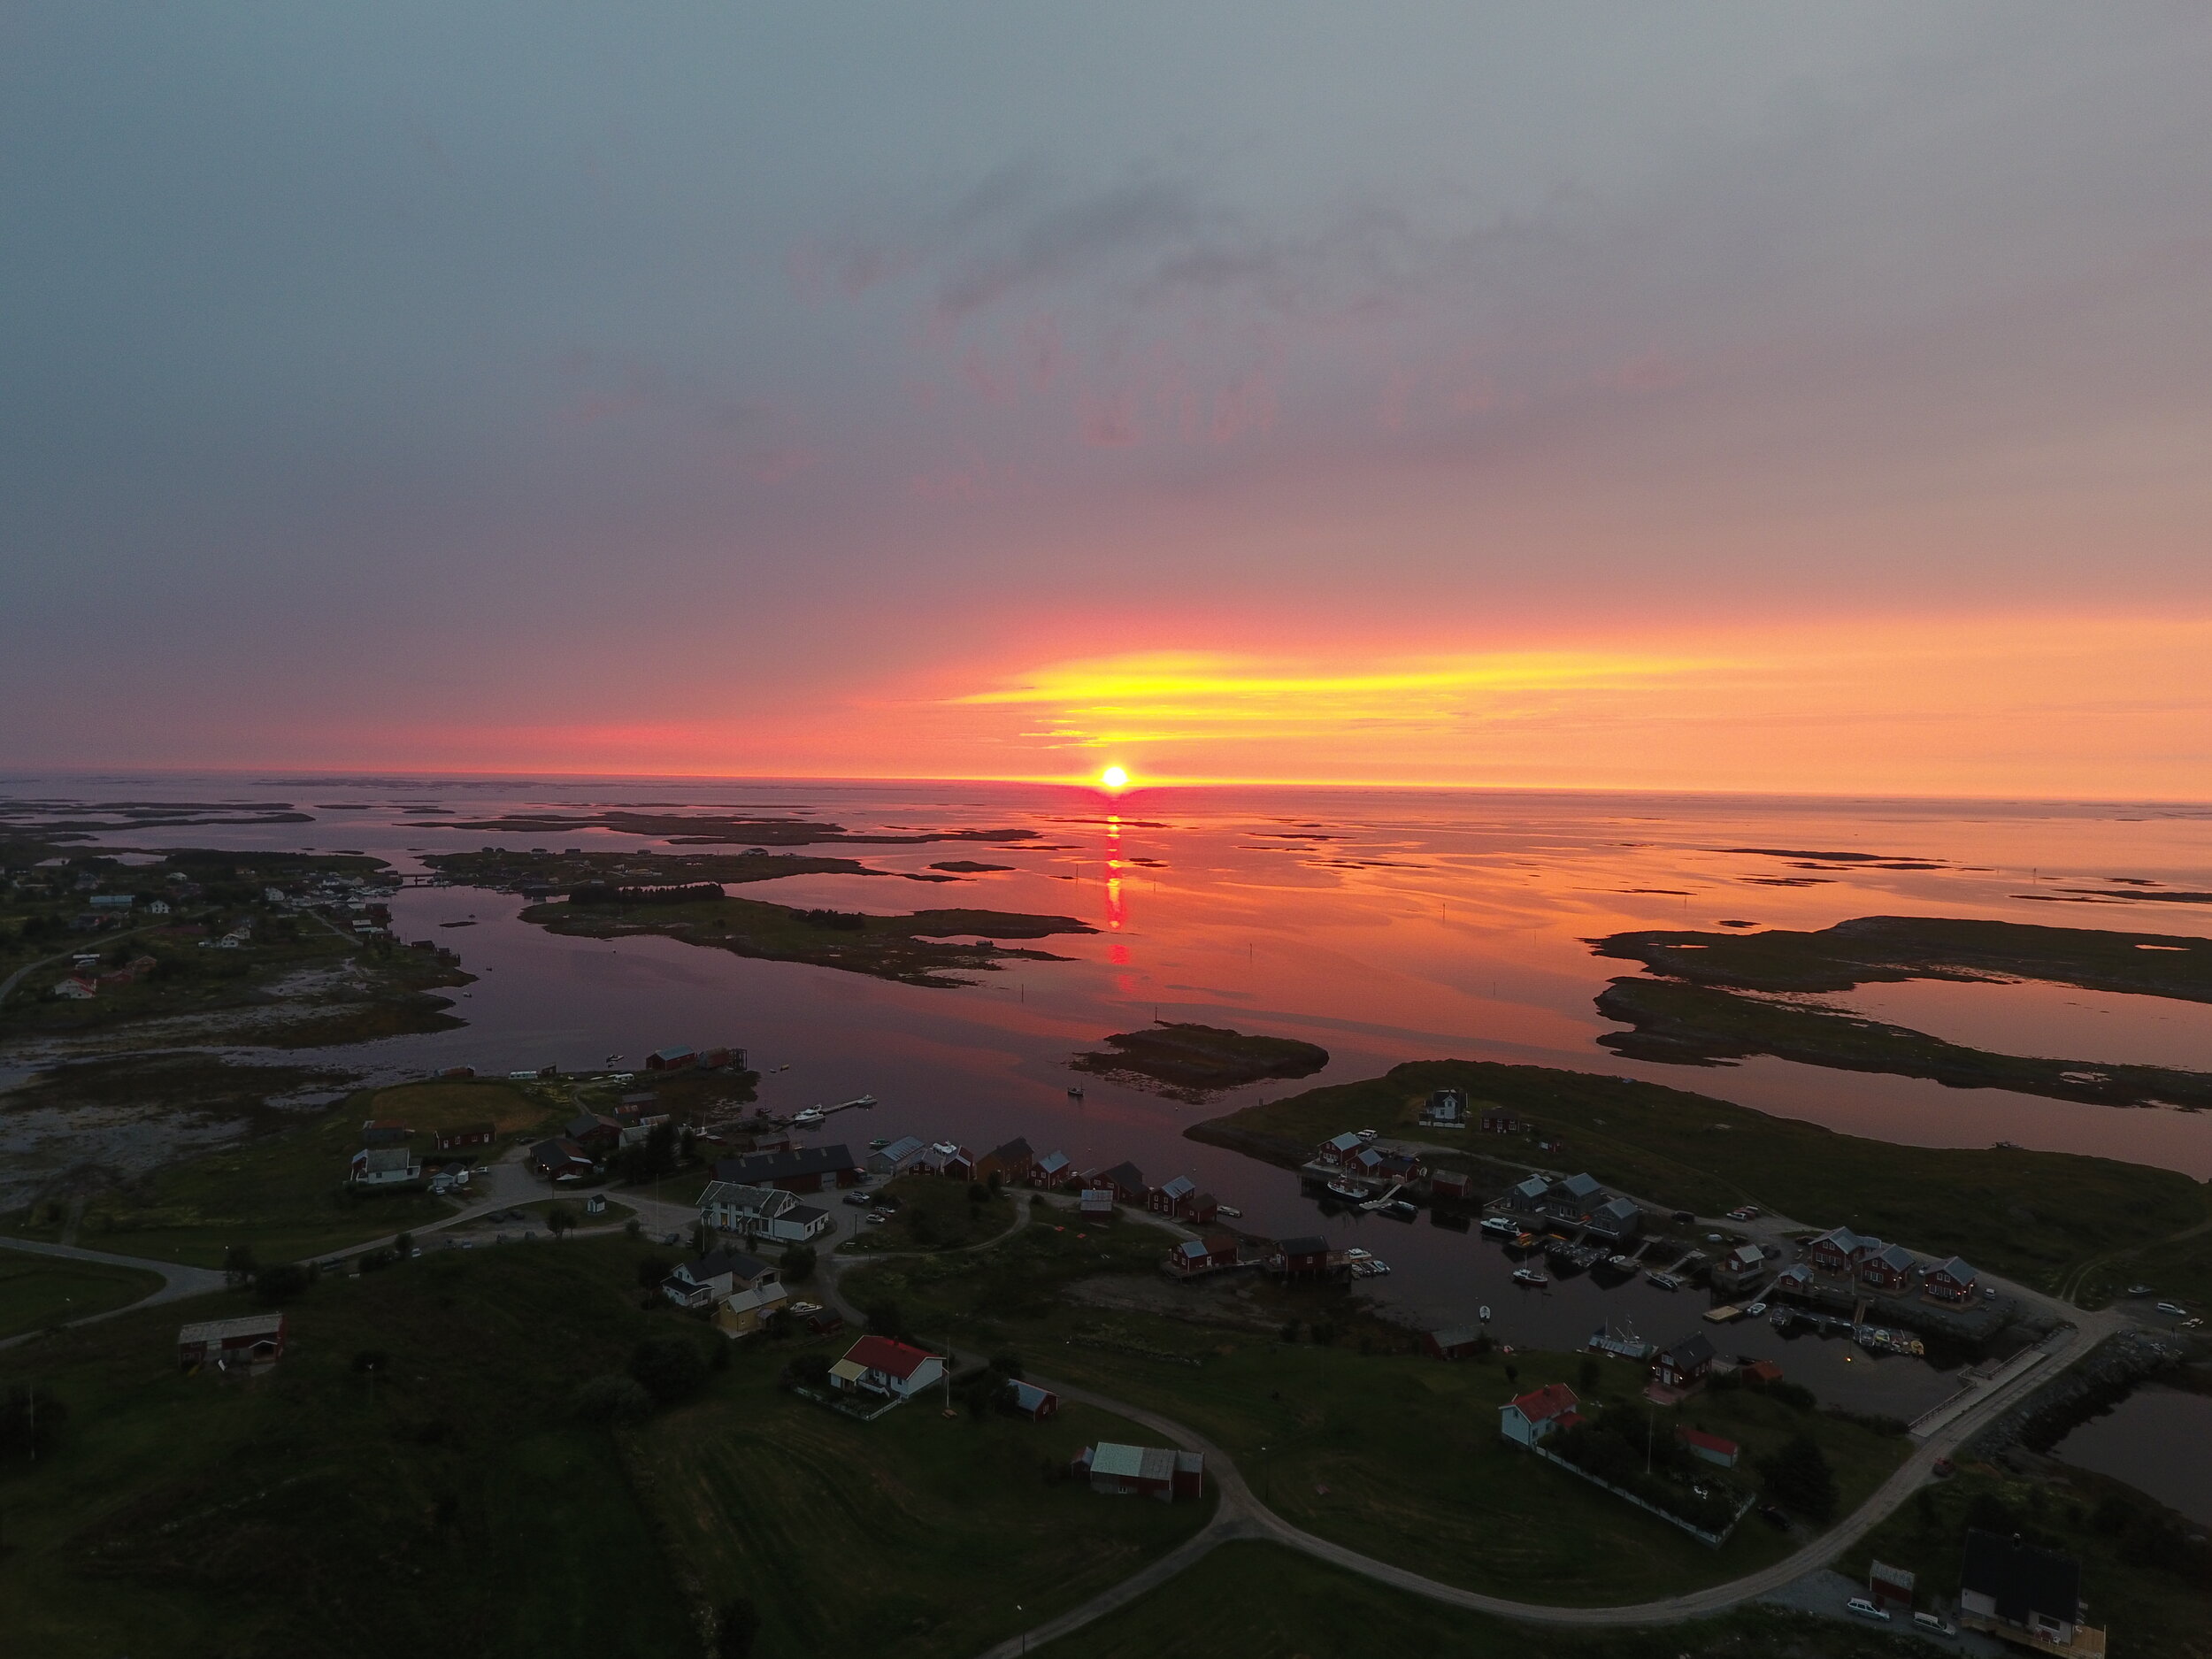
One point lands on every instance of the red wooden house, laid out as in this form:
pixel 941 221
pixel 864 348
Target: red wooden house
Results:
pixel 471 1135
pixel 1888 1269
pixel 256 1340
pixel 1841 1251
pixel 1301 1258
pixel 1202 1255
pixel 1951 1281
pixel 1181 1199
pixel 1126 1181
pixel 1013 1162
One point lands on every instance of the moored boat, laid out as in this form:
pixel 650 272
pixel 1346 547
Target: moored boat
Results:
pixel 1662 1282
pixel 1530 1276
pixel 1345 1189
pixel 1500 1228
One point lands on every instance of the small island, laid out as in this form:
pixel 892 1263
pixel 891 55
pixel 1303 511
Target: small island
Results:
pixel 927 948
pixel 1194 1062
pixel 709 829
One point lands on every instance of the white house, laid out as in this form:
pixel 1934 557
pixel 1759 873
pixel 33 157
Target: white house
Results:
pixel 876 1364
pixel 384 1166
pixel 760 1212
pixel 716 1278
pixel 1538 1413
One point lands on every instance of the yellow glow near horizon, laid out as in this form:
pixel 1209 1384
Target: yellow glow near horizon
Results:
pixel 1114 778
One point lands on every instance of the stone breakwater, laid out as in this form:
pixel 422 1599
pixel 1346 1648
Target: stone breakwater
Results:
pixel 2118 1366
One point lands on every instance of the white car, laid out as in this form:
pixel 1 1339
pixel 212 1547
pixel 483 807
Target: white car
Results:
pixel 1865 1609
pixel 2175 1309
pixel 1934 1625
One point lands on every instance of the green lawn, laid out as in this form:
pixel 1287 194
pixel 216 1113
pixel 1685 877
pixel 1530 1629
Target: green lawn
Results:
pixel 914 1532
pixel 454 1509
pixel 39 1291
pixel 282 1194
pixel 448 1503
pixel 1257 1601
pixel 934 1214
pixel 1407 1448
pixel 2031 1216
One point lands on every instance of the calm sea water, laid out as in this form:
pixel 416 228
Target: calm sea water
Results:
pixel 1384 925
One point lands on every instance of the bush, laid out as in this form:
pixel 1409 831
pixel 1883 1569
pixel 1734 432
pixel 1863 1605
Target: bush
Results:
pixel 810 1368
pixel 281 1281
pixel 30 1419
pixel 885 1318
pixel 238 1263
pixel 669 1368
pixel 1008 1365
pixel 1799 1477
pixel 798 1264
pixel 613 1400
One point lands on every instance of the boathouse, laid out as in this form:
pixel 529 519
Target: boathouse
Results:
pixel 1301 1258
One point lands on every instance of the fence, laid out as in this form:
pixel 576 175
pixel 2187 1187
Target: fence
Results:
pixel 1703 1537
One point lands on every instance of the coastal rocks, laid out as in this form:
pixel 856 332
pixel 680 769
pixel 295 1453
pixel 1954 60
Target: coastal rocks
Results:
pixel 2098 1383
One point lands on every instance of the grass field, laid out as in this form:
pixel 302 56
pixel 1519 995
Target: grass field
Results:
pixel 915 1532
pixel 513 1109
pixel 448 1503
pixel 1263 1601
pixel 1393 1455
pixel 2031 1216
pixel 934 1214
pixel 181 1516
pixel 39 1291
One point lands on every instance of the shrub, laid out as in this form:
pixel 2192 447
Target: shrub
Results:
pixel 669 1368
pixel 811 1369
pixel 1008 1365
pixel 283 1281
pixel 1799 1477
pixel 798 1264
pixel 613 1400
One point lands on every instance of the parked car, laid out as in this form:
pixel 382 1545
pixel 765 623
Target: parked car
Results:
pixel 1944 1469
pixel 1934 1625
pixel 2175 1309
pixel 860 1200
pixel 1684 1219
pixel 1865 1609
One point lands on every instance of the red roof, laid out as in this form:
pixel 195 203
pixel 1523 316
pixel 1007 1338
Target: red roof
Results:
pixel 892 1359
pixel 1541 1404
pixel 1706 1442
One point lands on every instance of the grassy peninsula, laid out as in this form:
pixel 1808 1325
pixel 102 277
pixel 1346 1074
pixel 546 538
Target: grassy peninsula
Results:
pixel 1869 949
pixel 1191 1063
pixel 2036 1216
pixel 927 948
pixel 1699 1025
pixel 711 829
pixel 570 870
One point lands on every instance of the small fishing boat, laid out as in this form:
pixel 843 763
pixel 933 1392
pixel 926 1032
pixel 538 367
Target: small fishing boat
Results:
pixel 1662 1282
pixel 1075 1091
pixel 1530 1276
pixel 1621 1264
pixel 811 1115
pixel 1345 1189
pixel 1757 1310
pixel 1783 1319
pixel 1230 1210
pixel 1500 1228
pixel 1404 1209
pixel 878 1143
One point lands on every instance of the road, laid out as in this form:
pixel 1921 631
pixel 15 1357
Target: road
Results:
pixel 177 1281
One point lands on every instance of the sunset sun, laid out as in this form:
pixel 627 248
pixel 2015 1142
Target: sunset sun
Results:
pixel 1113 778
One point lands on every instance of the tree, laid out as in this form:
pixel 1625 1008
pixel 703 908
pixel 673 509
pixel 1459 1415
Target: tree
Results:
pixel 560 1219
pixel 798 1264
pixel 885 1318
pixel 238 1265
pixel 403 1246
pixel 1512 1373
pixel 632 1227
pixel 1008 1365
pixel 740 1626
pixel 613 1400
pixel 281 1281
pixel 669 1368
pixel 1798 1477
